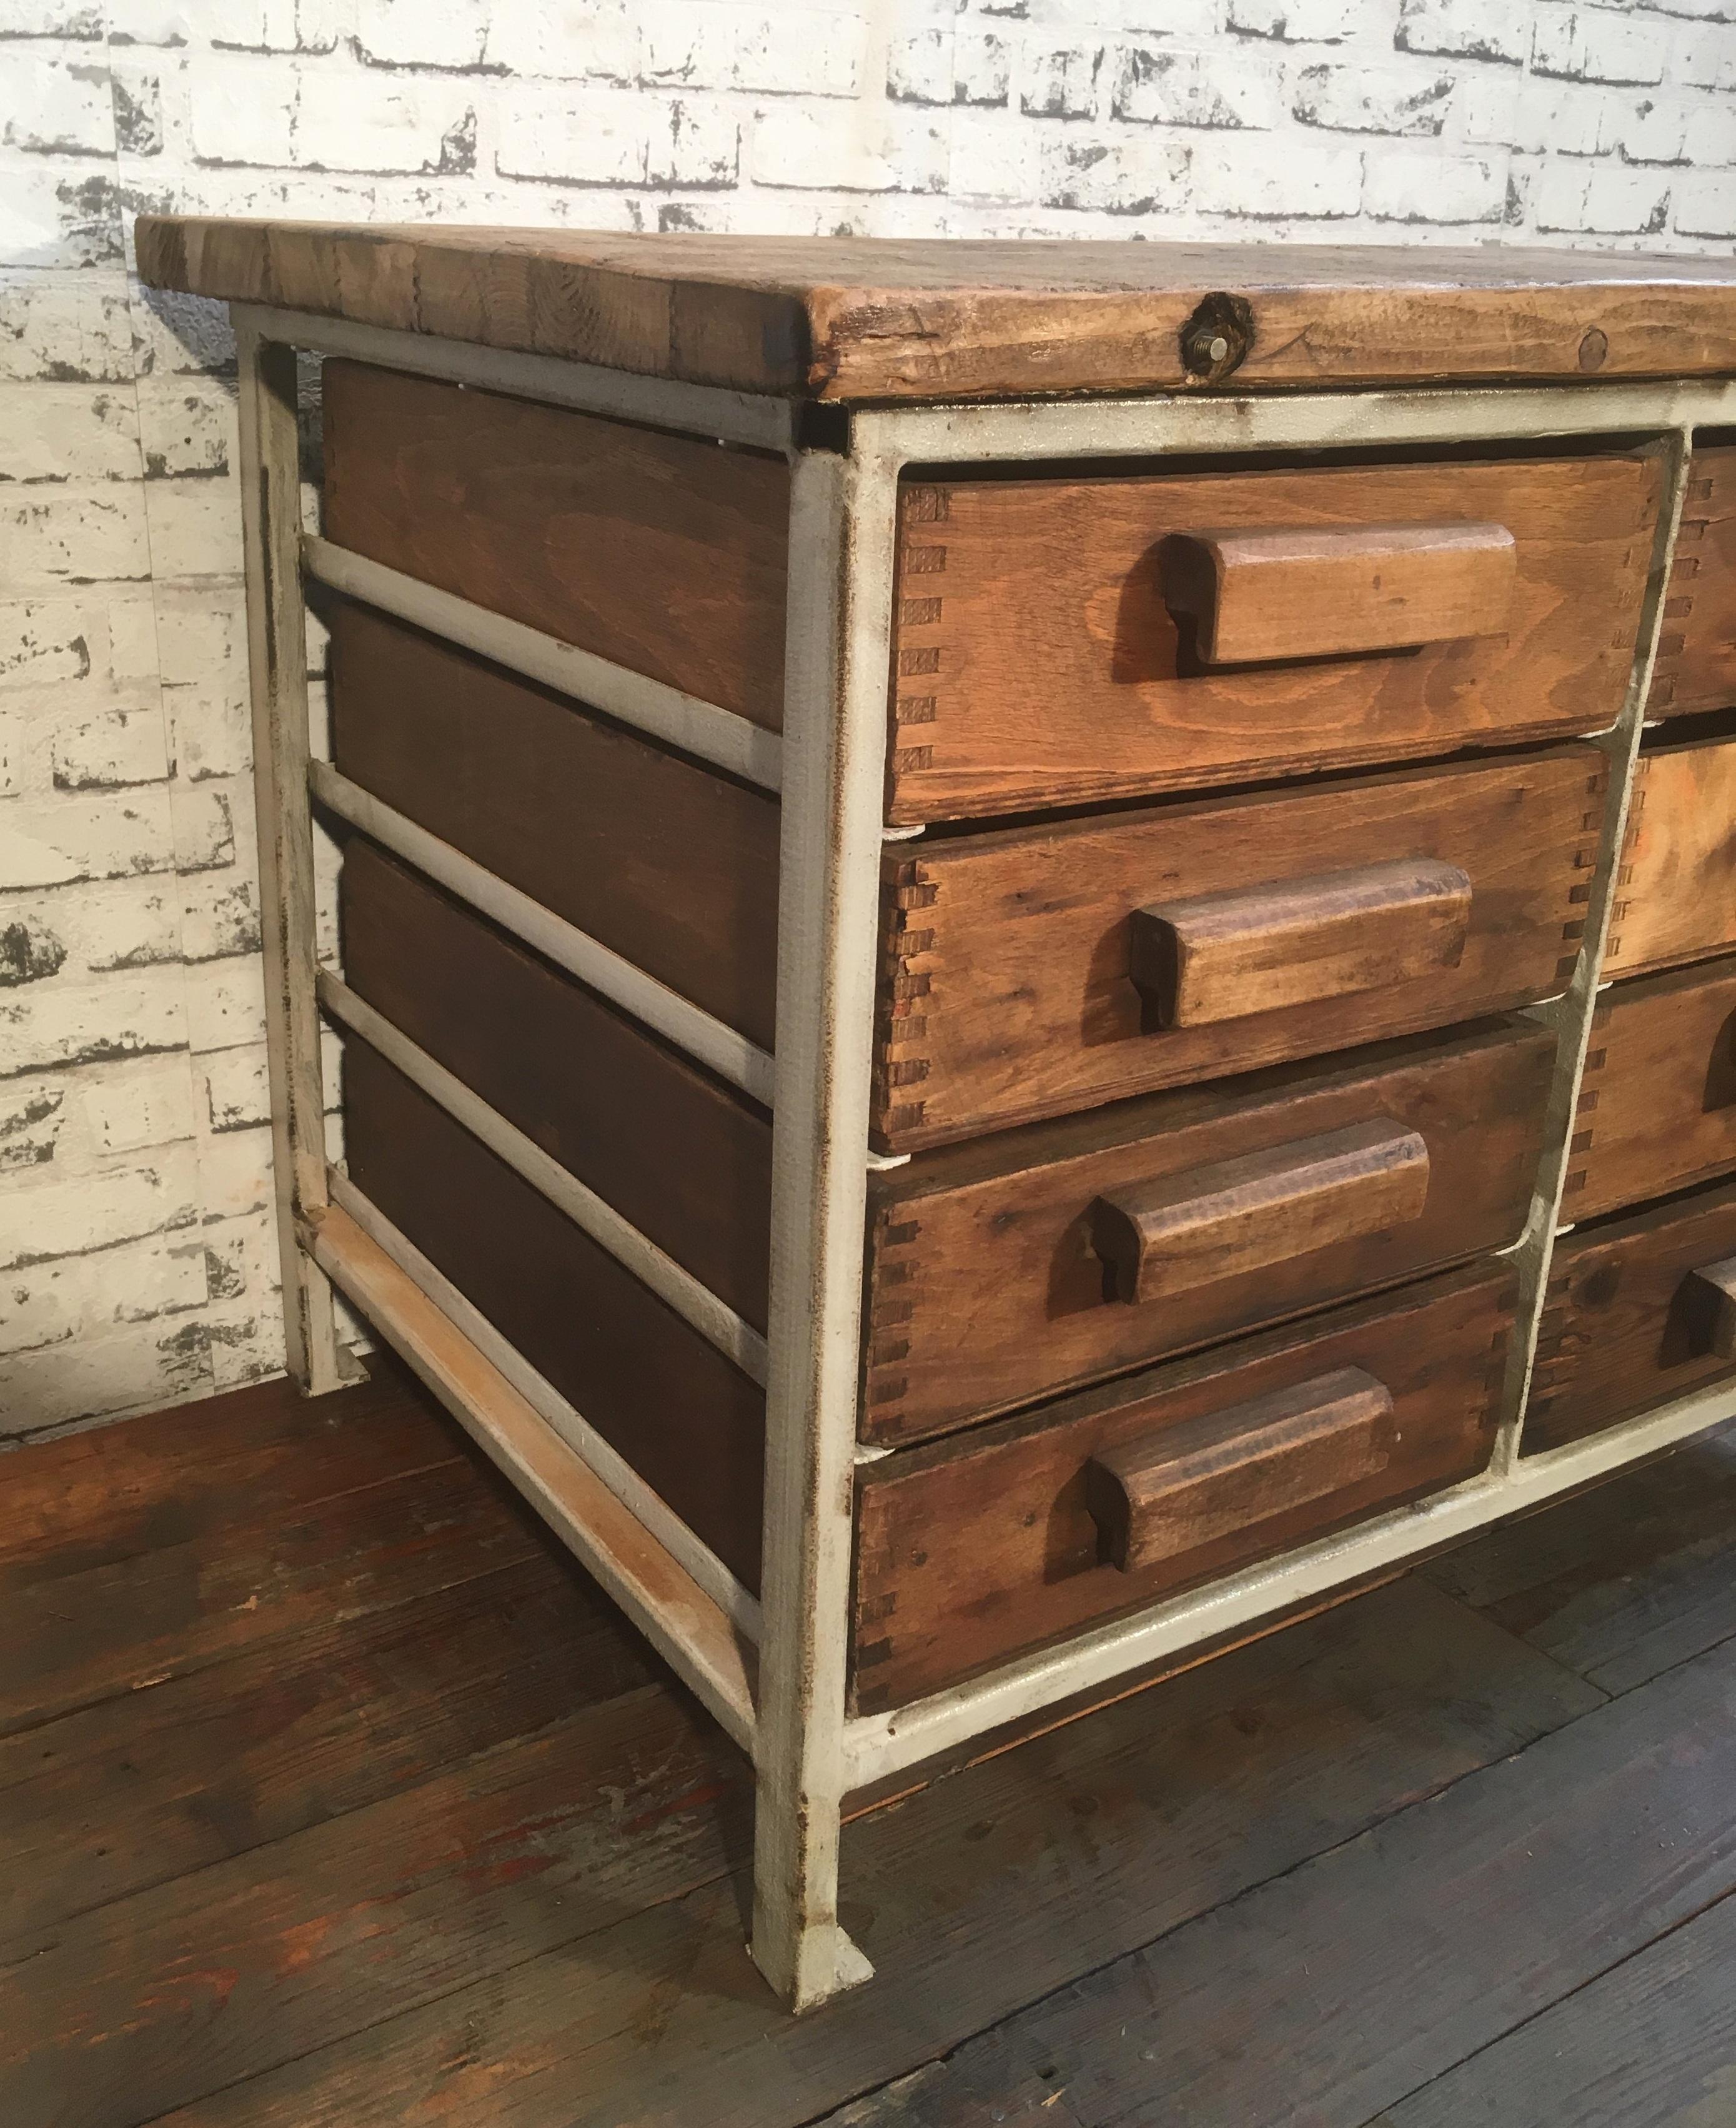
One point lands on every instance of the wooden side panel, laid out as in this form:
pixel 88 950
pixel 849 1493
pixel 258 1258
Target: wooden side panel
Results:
pixel 983 1288
pixel 667 862
pixel 1696 667
pixel 687 1159
pixel 664 553
pixel 1039 662
pixel 1657 1108
pixel 1676 898
pixel 1623 1328
pixel 687 1421
pixel 1007 991
pixel 971 1551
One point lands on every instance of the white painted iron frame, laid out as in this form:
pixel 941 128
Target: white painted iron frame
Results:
pixel 790 1708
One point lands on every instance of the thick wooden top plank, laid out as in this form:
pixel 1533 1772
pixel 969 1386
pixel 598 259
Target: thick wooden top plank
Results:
pixel 866 318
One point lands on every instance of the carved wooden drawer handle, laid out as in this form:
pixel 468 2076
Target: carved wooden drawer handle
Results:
pixel 1310 592
pixel 1189 1230
pixel 1176 1491
pixel 1712 1299
pixel 1218 956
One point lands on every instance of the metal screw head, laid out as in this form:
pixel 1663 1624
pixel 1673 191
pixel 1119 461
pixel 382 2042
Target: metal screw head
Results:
pixel 1217 349
pixel 1216 338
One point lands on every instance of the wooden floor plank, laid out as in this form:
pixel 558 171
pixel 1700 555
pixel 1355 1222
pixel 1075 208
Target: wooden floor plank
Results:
pixel 1652 2044
pixel 137 1791
pixel 1322 1998
pixel 93 1498
pixel 978 1896
pixel 1623 1581
pixel 81 1638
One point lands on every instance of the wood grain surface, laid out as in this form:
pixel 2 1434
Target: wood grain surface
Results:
pixel 1677 885
pixel 1006 989
pixel 971 1550
pixel 1623 1328
pixel 683 1158
pixel 1696 666
pixel 1040 661
pixel 875 318
pixel 1657 1103
pixel 658 1392
pixel 665 861
pixel 985 1286
pixel 663 553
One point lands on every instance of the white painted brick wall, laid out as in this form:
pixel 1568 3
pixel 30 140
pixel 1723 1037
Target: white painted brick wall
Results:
pixel 136 1255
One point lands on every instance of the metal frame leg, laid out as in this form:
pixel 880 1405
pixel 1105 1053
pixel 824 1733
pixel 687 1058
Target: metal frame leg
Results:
pixel 277 648
pixel 841 545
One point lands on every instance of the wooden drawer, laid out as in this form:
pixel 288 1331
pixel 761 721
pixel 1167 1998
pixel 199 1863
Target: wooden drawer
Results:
pixel 1676 888
pixel 1003 1271
pixel 1065 640
pixel 665 861
pixel 1031 971
pixel 686 1160
pixel 1658 1108
pixel 971 1550
pixel 664 553
pixel 1695 666
pixel 1628 1324
pixel 689 1422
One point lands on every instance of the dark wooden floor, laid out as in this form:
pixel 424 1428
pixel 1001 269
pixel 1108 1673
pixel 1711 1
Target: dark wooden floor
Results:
pixel 332 1796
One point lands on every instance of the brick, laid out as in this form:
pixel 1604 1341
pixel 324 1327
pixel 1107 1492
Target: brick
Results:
pixel 50 540
pixel 236 1090
pixel 122 747
pixel 61 1024
pixel 693 142
pixel 946 67
pixel 73 19
pixel 1278 180
pixel 220 919
pixel 137 1369
pixel 44 642
pixel 1130 177
pixel 129 922
pixel 186 425
pixel 1157 88
pixel 247 111
pixel 204 829
pixel 801 145
pixel 201 636
pixel 1298 22
pixel 54 107
pixel 56 215
pixel 59 433
pixel 111 837
pixel 72 330
pixel 267 27
pixel 29 951
pixel 1421 189
pixel 422 33
pixel 226 1005
pixel 1465 29
pixel 1705 204
pixel 138 103
pixel 213 736
pixel 1601 199
pixel 1060 81
pixel 826 61
pixel 993 157
pixel 1707 58
pixel 1590 44
pixel 568 40
pixel 194 527
pixel 127 1108
pixel 575 137
pixel 32 1116
pixel 1366 99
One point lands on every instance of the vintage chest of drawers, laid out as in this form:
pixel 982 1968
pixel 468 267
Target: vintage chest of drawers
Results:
pixel 1038 943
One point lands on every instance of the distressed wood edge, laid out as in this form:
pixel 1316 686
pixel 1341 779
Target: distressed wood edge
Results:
pixel 686 1625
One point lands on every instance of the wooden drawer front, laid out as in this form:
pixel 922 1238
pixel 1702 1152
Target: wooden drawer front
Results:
pixel 1658 1109
pixel 1062 641
pixel 1012 989
pixel 661 552
pixel 1627 1323
pixel 972 1550
pixel 686 1159
pixel 1696 667
pixel 1004 1271
pixel 1677 898
pixel 674 1407
pixel 663 860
